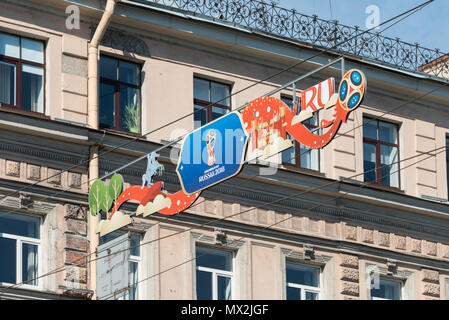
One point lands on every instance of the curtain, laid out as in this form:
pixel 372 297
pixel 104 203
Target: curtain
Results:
pixel 7 83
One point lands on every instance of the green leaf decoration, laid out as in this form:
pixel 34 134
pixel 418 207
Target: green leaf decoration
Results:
pixel 115 186
pixel 106 200
pixel 96 193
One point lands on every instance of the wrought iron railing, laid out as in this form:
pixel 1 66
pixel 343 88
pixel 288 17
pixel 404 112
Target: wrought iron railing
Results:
pixel 272 19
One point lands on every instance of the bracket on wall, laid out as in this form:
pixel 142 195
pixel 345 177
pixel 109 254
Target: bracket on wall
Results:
pixel 392 267
pixel 309 252
pixel 220 237
pixel 25 201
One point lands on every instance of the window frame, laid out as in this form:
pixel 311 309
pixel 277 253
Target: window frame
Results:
pixel 378 144
pixel 19 62
pixel 447 166
pixel 20 240
pixel 401 289
pixel 305 288
pixel 209 104
pixel 297 145
pixel 216 272
pixel 116 84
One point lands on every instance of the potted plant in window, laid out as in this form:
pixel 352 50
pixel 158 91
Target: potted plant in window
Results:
pixel 132 118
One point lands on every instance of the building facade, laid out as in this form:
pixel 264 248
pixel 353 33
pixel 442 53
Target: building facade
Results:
pixel 362 218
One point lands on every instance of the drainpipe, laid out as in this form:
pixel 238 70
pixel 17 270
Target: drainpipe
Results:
pixel 92 122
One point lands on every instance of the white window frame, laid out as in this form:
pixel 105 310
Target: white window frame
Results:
pixel 219 272
pixel 401 289
pixel 305 288
pixel 27 240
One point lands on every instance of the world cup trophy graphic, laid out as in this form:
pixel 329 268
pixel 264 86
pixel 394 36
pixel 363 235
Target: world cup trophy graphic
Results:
pixel 211 136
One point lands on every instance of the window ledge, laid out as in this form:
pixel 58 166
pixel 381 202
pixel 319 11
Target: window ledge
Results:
pixel 290 167
pixel 382 187
pixel 123 133
pixel 9 109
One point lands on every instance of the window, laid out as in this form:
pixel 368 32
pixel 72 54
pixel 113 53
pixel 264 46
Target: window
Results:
pixel 206 92
pixel 447 165
pixel 120 105
pixel 22 69
pixel 213 274
pixel 133 263
pixel 387 290
pixel 301 156
pixel 19 248
pixel 381 152
pixel 303 282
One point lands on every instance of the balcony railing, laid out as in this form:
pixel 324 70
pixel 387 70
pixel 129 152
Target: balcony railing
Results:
pixel 274 20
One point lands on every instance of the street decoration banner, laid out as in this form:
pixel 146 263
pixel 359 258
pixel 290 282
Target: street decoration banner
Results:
pixel 217 151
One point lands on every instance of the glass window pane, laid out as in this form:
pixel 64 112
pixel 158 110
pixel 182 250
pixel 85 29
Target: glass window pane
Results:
pixel 203 285
pixel 29 263
pixel 129 73
pixel 390 173
pixel 7 83
pixel 369 162
pixel 288 101
pixel 220 93
pixel 289 155
pixel 293 293
pixel 107 104
pixel 388 289
pixel 447 150
pixel 218 112
pixel 9 45
pixel 224 288
pixel 304 275
pixel 33 50
pixel 135 242
pixel 110 236
pixel 200 116
pixel 388 132
pixel 201 89
pixel 33 88
pixel 212 258
pixel 369 128
pixel 447 176
pixel 133 280
pixel 108 68
pixel 311 296
pixel 312 122
pixel 8 260
pixel 20 225
pixel 309 158
pixel 129 109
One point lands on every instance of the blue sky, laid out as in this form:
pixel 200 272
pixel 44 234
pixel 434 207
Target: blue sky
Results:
pixel 429 27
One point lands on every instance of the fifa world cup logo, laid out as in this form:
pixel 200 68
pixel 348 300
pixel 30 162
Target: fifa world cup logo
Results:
pixel 211 136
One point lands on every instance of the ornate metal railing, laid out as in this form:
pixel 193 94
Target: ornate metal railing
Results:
pixel 274 20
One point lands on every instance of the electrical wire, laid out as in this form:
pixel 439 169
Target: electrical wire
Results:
pixel 445 148
pixel 415 9
pixel 64 267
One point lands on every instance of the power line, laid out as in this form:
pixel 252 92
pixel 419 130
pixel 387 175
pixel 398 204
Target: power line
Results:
pixel 64 267
pixel 309 209
pixel 419 7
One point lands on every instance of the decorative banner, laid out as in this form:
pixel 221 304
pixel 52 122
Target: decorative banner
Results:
pixel 316 97
pixel 350 95
pixel 150 196
pixel 265 121
pixel 216 151
pixel 212 153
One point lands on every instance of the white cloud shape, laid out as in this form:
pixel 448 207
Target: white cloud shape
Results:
pixel 160 202
pixel 117 221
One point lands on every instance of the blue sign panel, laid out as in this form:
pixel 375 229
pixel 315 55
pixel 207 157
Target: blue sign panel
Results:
pixel 212 153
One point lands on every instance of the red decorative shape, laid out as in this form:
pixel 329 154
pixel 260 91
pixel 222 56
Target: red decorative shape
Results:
pixel 180 201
